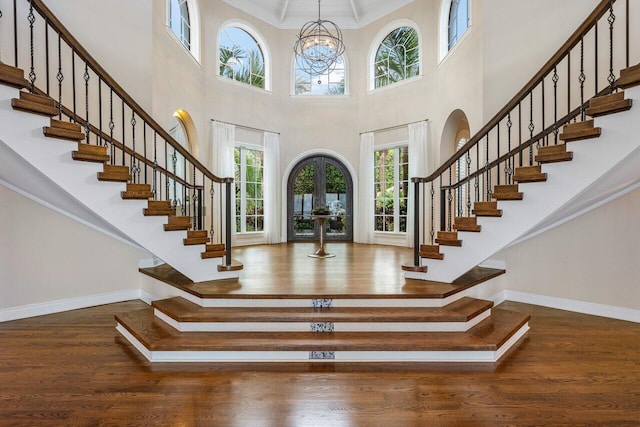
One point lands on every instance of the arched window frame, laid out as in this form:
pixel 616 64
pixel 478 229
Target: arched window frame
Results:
pixel 375 45
pixel 443 29
pixel 345 60
pixel 194 29
pixel 266 53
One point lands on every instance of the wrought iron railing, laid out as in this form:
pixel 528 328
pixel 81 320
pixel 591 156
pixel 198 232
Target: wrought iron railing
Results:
pixel 557 95
pixel 57 65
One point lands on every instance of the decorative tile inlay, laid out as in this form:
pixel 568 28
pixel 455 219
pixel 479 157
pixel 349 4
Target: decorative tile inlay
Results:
pixel 322 327
pixel 322 303
pixel 317 355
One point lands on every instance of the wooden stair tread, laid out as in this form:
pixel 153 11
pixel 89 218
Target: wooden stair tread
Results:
pixel 12 76
pixel 430 252
pixel 91 153
pixel 178 223
pixel 182 310
pixel 553 154
pixel 156 335
pixel 27 104
pixel 234 266
pixel 212 254
pixel 579 131
pixel 159 208
pixel 115 173
pixel 223 289
pixel 448 238
pixel 608 104
pixel 529 174
pixel 506 192
pixel 629 77
pixel 467 224
pixel 137 192
pixel 486 209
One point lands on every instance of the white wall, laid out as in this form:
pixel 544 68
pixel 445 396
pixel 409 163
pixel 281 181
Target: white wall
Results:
pixel 45 256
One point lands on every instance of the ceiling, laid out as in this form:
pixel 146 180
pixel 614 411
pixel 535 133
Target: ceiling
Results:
pixel 292 14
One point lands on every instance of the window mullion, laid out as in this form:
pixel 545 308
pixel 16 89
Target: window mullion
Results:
pixel 396 193
pixel 243 190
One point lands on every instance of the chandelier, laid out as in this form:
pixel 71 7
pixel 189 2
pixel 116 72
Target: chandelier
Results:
pixel 319 46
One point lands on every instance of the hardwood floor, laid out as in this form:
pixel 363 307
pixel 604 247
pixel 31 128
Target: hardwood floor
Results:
pixel 73 368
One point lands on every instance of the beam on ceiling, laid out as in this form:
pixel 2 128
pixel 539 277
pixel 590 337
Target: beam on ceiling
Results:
pixel 283 12
pixel 356 15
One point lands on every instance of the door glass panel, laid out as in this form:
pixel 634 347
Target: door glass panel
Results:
pixel 336 201
pixel 303 203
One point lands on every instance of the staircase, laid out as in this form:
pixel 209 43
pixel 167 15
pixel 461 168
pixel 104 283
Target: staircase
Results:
pixel 56 151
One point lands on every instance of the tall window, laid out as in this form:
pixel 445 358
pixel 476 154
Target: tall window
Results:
pixel 458 20
pixel 391 188
pixel 249 194
pixel 180 22
pixel 398 57
pixel 328 83
pixel 241 57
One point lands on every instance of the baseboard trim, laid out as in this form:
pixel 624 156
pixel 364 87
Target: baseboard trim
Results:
pixel 51 307
pixel 584 307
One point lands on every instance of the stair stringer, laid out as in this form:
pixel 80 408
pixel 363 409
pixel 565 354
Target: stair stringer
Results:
pixel 594 161
pixel 22 133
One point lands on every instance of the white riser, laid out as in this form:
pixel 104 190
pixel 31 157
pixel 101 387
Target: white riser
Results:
pixel 340 356
pixel 22 133
pixel 595 161
pixel 337 326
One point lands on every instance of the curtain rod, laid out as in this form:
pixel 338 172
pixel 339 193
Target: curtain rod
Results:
pixel 394 127
pixel 245 127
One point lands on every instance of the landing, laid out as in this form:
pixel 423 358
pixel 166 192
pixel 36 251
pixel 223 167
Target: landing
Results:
pixel 357 271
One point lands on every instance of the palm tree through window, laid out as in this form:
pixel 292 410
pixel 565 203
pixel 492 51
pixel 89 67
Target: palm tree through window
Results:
pixel 398 57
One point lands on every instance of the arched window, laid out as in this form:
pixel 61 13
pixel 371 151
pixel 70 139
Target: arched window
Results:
pixel 397 57
pixel 242 56
pixel 183 21
pixel 329 83
pixel 458 20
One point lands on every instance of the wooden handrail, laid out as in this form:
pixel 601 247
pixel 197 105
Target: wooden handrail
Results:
pixel 77 47
pixel 575 38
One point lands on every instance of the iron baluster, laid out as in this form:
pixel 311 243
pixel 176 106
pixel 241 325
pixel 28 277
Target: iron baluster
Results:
pixel 498 154
pixel 46 55
pixel 100 139
pixel 144 138
pixel 555 79
pixel 31 17
pixel 124 144
pixel 135 169
pixel 520 133
pixel 86 100
pixel 166 168
pixel 15 34
pixel 569 83
pixel 612 77
pixel 212 192
pixel 458 194
pixel 59 77
pixel 73 81
pixel 487 172
pixel 582 78
pixel 432 231
pixel 195 201
pixel 174 162
pixel 531 127
pixel 508 172
pixel 627 35
pixel 155 164
pixel 595 77
pixel 546 139
pixel 112 125
pixel 450 203
pixel 468 183
pixel 477 183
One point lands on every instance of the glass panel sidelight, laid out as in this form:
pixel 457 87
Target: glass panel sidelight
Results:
pixel 336 201
pixel 303 201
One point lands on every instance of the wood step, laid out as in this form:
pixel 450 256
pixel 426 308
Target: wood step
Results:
pixel 430 251
pixel 12 76
pixel 155 335
pixel 212 254
pixel 196 237
pixel 554 154
pixel 60 133
pixel 114 173
pixel 629 77
pixel 506 192
pixel 448 238
pixel 74 127
pixel 529 174
pixel 184 311
pixel 234 266
pixel 215 247
pixel 178 223
pixel 467 223
pixel 579 131
pixel 159 208
pixel 608 104
pixel 91 153
pixel 486 209
pixel 37 104
pixel 137 192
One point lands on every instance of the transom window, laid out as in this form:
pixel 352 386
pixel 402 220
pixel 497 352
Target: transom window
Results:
pixel 249 193
pixel 241 57
pixel 180 22
pixel 458 20
pixel 328 83
pixel 398 57
pixel 391 188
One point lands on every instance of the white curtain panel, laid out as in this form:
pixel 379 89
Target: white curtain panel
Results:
pixel 271 187
pixel 418 145
pixel 222 163
pixel 363 232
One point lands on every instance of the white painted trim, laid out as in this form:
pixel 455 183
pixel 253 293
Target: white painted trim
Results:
pixel 150 262
pixel 591 308
pixel 340 356
pixel 69 215
pixel 494 263
pixel 306 326
pixel 58 306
